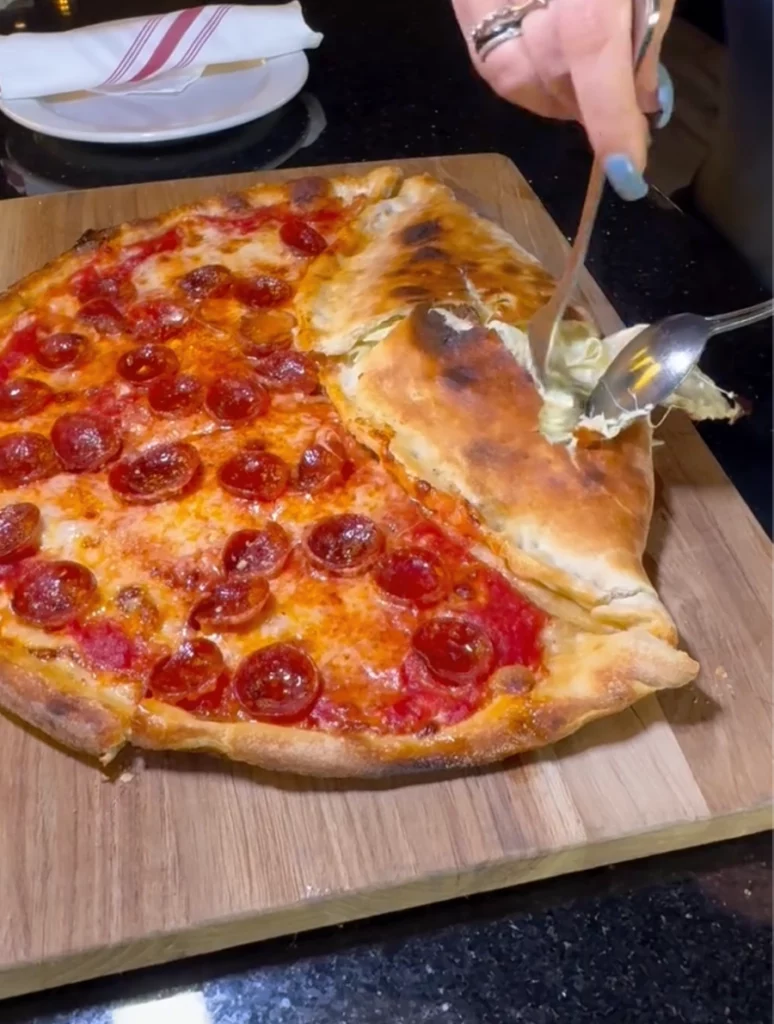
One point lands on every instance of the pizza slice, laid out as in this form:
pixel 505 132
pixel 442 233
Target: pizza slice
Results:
pixel 286 497
pixel 96 352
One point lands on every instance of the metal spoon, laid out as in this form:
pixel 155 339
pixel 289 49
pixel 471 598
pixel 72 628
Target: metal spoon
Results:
pixel 543 325
pixel 658 359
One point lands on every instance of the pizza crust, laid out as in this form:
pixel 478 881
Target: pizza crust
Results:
pixel 588 676
pixel 64 703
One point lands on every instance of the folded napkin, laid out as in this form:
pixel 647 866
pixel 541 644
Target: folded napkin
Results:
pixel 161 53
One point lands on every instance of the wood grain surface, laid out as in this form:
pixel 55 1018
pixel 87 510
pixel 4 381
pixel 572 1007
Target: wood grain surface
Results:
pixel 187 854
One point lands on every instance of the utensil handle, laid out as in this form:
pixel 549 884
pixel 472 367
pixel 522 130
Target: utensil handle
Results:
pixel 549 315
pixel 741 317
pixel 645 17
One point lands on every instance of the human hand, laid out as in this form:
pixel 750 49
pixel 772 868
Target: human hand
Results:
pixel 573 61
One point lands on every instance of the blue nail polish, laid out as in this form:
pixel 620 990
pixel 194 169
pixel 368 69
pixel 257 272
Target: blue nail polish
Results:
pixel 666 98
pixel 624 177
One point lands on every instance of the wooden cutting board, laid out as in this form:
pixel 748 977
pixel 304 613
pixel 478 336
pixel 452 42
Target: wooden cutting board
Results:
pixel 190 854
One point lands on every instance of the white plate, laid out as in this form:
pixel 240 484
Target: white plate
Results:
pixel 222 98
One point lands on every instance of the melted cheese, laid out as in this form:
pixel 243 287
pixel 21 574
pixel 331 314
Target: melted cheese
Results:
pixel 575 364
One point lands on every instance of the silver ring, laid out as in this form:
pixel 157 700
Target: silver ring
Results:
pixel 501 25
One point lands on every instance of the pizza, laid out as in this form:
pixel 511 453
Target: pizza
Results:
pixel 275 488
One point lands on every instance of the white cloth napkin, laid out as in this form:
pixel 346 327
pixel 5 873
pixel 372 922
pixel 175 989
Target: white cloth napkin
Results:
pixel 163 53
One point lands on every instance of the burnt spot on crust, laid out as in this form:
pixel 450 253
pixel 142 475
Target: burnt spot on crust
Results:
pixel 433 335
pixel 91 239
pixel 410 291
pixel 308 189
pixel 235 202
pixel 460 377
pixel 419 234
pixel 428 254
pixel 60 707
pixel 483 452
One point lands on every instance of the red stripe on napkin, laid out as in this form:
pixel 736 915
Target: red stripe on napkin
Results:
pixel 167 44
pixel 193 50
pixel 139 41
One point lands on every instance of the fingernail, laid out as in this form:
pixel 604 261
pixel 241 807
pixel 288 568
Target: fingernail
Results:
pixel 624 177
pixel 666 98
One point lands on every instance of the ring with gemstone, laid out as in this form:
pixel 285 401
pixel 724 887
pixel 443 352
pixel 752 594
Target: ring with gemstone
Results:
pixel 501 25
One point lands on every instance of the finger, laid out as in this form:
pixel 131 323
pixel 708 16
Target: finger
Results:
pixel 512 75
pixel 540 35
pixel 597 40
pixel 507 69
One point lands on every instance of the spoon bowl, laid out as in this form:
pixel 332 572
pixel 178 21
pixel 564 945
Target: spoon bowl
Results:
pixel 654 364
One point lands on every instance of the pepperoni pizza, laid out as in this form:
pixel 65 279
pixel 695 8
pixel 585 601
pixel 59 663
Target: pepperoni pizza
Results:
pixel 273 488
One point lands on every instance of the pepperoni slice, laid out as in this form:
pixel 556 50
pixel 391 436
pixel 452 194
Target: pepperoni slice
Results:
pixel 345 545
pixel 23 396
pixel 321 469
pixel 209 282
pixel 105 645
pixel 254 474
pixel 279 683
pixel 145 363
pixel 157 319
pixel 231 604
pixel 85 441
pixel 288 371
pixel 51 595
pixel 103 315
pixel 302 237
pixel 60 351
pixel 175 397
pixel 19 347
pixel 266 332
pixel 19 531
pixel 25 457
pixel 258 552
pixel 160 472
pixel 454 650
pixel 236 399
pixel 263 291
pixel 414 575
pixel 195 669
pixel 209 703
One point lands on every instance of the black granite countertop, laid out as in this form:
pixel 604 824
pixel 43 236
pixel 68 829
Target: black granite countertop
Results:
pixel 682 938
